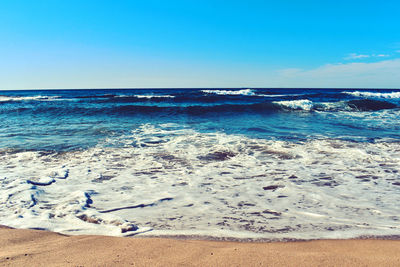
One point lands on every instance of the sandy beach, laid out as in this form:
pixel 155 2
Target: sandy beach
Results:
pixel 21 247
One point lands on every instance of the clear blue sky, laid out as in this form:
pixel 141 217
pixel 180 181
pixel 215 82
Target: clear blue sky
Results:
pixel 111 44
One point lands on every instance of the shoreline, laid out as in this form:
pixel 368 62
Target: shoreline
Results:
pixel 38 247
pixel 223 236
pixel 200 237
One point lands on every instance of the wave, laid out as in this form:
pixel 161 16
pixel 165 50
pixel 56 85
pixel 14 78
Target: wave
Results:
pixel 27 98
pixel 196 109
pixel 267 107
pixel 303 104
pixel 151 96
pixel 374 94
pixel 110 98
pixel 97 96
pixel 278 95
pixel 247 92
pixel 353 105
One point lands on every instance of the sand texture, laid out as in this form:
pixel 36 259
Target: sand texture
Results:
pixel 42 248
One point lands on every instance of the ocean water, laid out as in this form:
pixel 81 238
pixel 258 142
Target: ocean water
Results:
pixel 222 163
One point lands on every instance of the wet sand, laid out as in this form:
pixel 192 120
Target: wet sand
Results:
pixel 20 247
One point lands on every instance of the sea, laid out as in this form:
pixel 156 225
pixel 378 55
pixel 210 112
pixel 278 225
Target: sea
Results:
pixel 246 164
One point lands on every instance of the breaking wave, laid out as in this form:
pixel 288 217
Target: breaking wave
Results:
pixel 374 94
pixel 303 104
pixel 352 105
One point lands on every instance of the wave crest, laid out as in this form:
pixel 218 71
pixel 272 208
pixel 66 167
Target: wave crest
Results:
pixel 303 104
pixel 152 96
pixel 27 98
pixel 374 94
pixel 247 92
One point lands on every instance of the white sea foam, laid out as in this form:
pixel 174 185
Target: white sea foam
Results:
pixel 374 94
pixel 303 104
pixel 179 181
pixel 332 106
pixel 382 119
pixel 247 92
pixel 26 98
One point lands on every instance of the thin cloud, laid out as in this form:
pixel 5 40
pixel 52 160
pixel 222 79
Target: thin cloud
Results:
pixel 361 56
pixel 356 56
pixel 382 74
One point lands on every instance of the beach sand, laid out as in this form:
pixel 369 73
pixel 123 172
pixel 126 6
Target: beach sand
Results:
pixel 21 247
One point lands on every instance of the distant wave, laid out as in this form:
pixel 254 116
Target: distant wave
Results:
pixel 245 92
pixel 151 96
pixel 196 109
pixel 353 105
pixel 303 105
pixel 97 96
pixel 374 94
pixel 230 92
pixel 27 98
pixel 125 98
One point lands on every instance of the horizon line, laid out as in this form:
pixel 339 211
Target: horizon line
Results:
pixel 188 88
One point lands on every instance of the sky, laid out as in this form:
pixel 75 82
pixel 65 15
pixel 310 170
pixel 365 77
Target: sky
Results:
pixel 49 44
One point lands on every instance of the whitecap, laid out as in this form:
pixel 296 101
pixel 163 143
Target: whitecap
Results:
pixel 154 96
pixel 247 92
pixel 374 94
pixel 4 98
pixel 303 104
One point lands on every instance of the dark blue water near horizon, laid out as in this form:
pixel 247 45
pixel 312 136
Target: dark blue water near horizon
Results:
pixel 65 120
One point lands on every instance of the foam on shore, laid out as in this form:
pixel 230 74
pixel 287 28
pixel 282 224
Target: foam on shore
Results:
pixel 172 180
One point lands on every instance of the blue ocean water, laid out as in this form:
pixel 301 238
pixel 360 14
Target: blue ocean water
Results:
pixel 222 163
pixel 65 120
